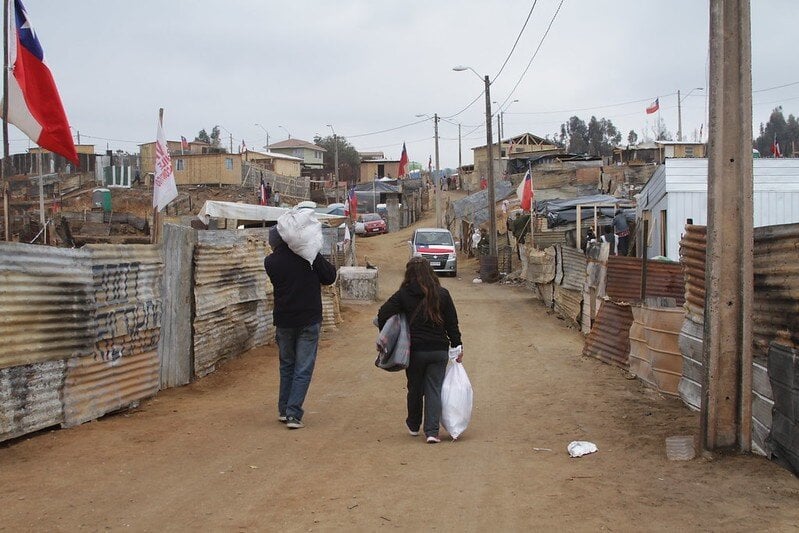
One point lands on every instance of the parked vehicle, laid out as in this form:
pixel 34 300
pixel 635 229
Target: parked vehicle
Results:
pixel 437 246
pixel 370 224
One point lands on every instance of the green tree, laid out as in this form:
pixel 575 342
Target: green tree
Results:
pixel 574 135
pixel 659 130
pixel 348 159
pixel 203 136
pixel 632 138
pixel 598 137
pixel 786 133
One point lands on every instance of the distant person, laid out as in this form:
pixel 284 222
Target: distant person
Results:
pixel 297 315
pixel 609 237
pixel 521 229
pixel 483 183
pixel 590 237
pixel 277 199
pixel 475 241
pixel 622 231
pixel 267 194
pixel 433 324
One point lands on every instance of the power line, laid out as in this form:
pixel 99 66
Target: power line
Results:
pixel 470 104
pixel 541 42
pixel 515 43
pixel 777 87
pixel 386 130
pixel 584 108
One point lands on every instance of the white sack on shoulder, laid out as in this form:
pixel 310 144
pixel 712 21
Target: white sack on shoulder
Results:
pixel 456 396
pixel 302 232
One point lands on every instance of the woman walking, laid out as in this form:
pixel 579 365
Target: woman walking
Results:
pixel 433 324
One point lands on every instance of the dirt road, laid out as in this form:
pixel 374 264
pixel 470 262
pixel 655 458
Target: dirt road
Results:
pixel 211 456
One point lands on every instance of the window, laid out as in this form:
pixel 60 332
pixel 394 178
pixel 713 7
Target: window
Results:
pixel 229 163
pixel 180 164
pixel 689 151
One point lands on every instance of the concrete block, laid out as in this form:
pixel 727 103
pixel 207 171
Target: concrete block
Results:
pixel 358 283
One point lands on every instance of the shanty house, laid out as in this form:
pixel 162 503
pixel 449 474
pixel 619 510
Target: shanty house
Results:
pixel 677 192
pixel 196 165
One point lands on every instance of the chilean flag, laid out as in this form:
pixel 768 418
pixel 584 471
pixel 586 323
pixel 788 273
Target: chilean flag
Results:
pixel 654 107
pixel 525 192
pixel 34 105
pixel 403 164
pixel 351 209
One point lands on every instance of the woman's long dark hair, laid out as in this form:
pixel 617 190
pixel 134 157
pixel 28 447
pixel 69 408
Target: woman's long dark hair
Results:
pixel 418 270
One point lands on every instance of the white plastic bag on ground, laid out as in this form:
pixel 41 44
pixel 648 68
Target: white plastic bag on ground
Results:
pixel 578 448
pixel 456 397
pixel 302 232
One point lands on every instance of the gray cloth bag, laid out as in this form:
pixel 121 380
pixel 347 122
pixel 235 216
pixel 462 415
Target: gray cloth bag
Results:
pixel 394 345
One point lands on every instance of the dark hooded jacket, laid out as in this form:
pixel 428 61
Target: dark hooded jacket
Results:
pixel 425 335
pixel 298 296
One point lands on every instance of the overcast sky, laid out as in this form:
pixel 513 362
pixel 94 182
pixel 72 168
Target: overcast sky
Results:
pixel 365 66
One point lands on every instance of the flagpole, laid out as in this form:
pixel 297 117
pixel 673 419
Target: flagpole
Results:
pixel 42 219
pixel 154 233
pixel 4 164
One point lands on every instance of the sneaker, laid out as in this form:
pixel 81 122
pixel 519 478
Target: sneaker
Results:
pixel 282 419
pixel 412 433
pixel 432 439
pixel 294 423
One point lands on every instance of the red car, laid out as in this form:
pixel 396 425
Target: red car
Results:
pixel 370 224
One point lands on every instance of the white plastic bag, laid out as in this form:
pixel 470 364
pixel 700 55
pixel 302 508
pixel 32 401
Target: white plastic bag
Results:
pixel 578 448
pixel 456 397
pixel 302 232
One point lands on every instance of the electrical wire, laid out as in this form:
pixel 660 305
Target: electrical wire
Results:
pixel 541 42
pixel 777 87
pixel 386 130
pixel 515 43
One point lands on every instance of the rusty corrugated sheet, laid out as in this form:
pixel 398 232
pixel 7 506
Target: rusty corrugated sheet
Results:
pixel 776 271
pixel 545 239
pixel 661 329
pixel 124 366
pixel 331 309
pixel 568 303
pixel 609 339
pixel 30 398
pixel 232 294
pixel 662 279
pixel 639 360
pixel 45 304
pixel 692 257
pixel 574 268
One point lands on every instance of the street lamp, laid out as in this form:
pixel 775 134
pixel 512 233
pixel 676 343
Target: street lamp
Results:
pixel 492 208
pixel 267 135
pixel 679 109
pixel 335 161
pixel 284 129
pixel 436 183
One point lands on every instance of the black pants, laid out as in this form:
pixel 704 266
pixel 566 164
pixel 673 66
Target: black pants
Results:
pixel 425 375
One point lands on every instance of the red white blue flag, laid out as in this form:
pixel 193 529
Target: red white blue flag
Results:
pixel 653 107
pixel 403 163
pixel 34 105
pixel 525 192
pixel 351 209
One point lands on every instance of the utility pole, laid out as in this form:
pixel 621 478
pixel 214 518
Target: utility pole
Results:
pixel 436 182
pixel 726 411
pixel 679 117
pixel 231 143
pixel 492 218
pixel 499 137
pixel 335 161
pixel 460 160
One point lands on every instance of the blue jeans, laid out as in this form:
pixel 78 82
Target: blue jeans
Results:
pixel 297 358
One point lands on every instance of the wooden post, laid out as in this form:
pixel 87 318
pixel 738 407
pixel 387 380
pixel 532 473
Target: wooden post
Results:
pixel 176 344
pixel 644 264
pixel 726 413
pixel 579 221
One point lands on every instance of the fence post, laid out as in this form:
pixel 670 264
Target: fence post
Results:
pixel 176 344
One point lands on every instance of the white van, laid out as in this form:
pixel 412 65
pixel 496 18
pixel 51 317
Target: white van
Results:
pixel 438 247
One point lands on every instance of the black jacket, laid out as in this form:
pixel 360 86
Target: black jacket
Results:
pixel 298 296
pixel 425 335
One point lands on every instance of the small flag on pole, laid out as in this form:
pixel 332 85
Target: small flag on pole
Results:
pixel 34 105
pixel 654 107
pixel 184 144
pixel 403 164
pixel 525 192
pixel 164 188
pixel 262 199
pixel 775 148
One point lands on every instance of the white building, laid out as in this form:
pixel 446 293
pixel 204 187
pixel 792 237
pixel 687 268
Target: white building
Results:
pixel 678 192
